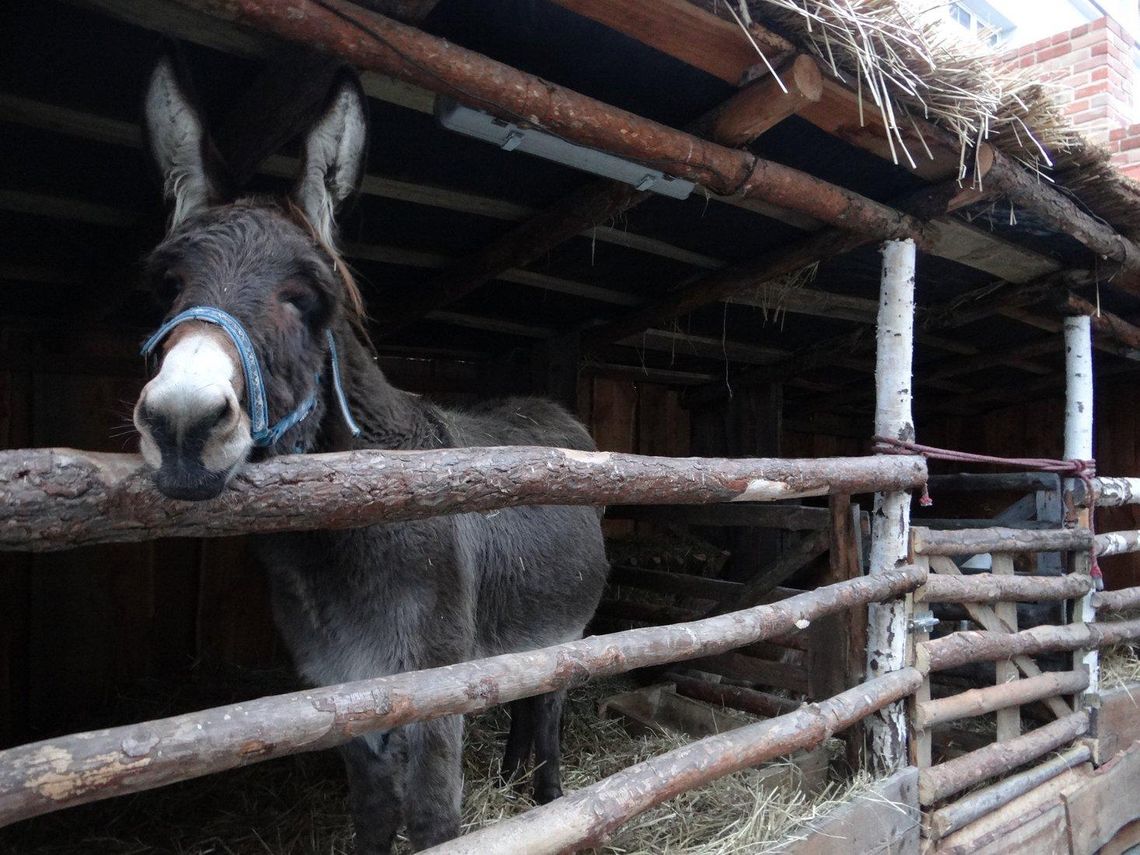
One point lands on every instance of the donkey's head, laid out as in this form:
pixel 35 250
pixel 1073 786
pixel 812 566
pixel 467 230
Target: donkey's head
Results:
pixel 253 290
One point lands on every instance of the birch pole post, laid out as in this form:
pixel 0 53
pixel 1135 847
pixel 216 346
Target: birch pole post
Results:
pixel 890 521
pixel 1079 446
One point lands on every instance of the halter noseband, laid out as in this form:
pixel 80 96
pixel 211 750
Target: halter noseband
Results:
pixel 261 433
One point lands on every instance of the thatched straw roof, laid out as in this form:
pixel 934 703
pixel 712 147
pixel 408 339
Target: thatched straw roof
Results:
pixel 913 65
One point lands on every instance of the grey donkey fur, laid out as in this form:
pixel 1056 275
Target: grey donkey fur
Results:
pixel 387 598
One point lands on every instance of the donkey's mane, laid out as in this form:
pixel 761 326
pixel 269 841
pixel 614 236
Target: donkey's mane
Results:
pixel 354 300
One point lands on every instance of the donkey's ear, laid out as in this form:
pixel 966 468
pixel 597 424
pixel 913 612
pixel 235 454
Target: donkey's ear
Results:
pixel 332 164
pixel 178 143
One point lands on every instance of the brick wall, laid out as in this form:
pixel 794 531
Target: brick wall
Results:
pixel 1092 66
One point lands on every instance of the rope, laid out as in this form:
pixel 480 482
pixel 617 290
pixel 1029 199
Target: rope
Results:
pixel 1084 470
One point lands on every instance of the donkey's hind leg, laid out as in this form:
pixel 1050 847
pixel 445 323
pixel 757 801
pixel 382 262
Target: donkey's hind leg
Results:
pixel 520 741
pixel 547 746
pixel 374 765
pixel 434 784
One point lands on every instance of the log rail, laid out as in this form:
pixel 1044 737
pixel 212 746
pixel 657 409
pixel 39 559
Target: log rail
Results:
pixel 59 498
pixel 72 770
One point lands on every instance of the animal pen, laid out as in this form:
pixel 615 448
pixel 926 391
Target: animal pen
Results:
pixel 883 231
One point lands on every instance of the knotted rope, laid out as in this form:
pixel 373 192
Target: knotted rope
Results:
pixel 1084 470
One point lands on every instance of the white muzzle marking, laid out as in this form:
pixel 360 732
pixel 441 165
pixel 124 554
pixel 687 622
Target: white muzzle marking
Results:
pixel 197 377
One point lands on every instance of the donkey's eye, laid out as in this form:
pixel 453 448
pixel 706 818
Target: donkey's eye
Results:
pixel 304 303
pixel 168 286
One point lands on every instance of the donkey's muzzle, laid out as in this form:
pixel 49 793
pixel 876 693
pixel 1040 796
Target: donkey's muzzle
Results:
pixel 192 483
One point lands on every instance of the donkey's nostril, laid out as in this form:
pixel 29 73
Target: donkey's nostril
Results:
pixel 220 414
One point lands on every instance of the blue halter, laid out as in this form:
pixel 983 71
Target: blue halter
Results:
pixel 261 433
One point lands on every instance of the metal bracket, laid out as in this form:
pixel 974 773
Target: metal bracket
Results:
pixel 922 622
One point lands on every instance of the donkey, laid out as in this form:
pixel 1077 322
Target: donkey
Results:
pixel 264 352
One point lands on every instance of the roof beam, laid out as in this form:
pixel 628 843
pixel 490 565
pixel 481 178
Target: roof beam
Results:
pixel 685 32
pixel 370 41
pixel 743 117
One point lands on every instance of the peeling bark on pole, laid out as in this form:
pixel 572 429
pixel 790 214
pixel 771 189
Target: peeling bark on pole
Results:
pixel 955 775
pixel 984 588
pixel 962 648
pixel 1079 446
pixel 72 770
pixel 585 817
pixel 1110 492
pixel 890 520
pixel 59 498
pixel 1117 543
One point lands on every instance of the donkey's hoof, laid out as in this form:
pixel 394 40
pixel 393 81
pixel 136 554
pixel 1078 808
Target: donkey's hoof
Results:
pixel 547 793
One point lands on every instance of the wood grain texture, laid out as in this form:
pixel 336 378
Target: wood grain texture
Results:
pixel 58 498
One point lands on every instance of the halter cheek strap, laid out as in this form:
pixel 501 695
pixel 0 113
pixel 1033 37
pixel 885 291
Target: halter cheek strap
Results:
pixel 261 433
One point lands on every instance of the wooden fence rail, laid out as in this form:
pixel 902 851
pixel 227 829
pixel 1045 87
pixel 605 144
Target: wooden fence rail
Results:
pixel 1123 600
pixel 984 700
pixel 976 541
pixel 59 498
pixel 1117 543
pixel 986 588
pixel 71 770
pixel 976 805
pixel 955 775
pixel 962 648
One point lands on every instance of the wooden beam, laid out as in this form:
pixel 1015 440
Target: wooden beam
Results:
pixel 773 574
pixel 785 517
pixel 1067 217
pixel 288 95
pixel 767 102
pixel 688 33
pixel 1105 323
pixel 408 11
pixel 180 20
pixel 373 42
pixel 59 498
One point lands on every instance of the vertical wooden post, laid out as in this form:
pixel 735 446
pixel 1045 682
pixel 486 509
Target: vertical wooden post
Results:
pixel 921 742
pixel 1079 446
pixel 1008 720
pixel 890 521
pixel 836 663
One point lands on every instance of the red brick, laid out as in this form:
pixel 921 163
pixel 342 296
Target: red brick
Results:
pixel 1100 50
pixel 1099 88
pixel 1099 23
pixel 1087 118
pixel 1053 52
pixel 1098 73
pixel 1090 62
pixel 1089 39
pixel 1118 133
pixel 1130 143
pixel 1079 31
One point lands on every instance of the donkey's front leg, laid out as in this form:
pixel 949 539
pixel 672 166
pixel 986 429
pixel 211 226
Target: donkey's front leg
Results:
pixel 434 782
pixel 375 765
pixel 547 746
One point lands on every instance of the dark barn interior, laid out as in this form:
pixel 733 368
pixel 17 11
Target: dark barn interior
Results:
pixel 783 366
